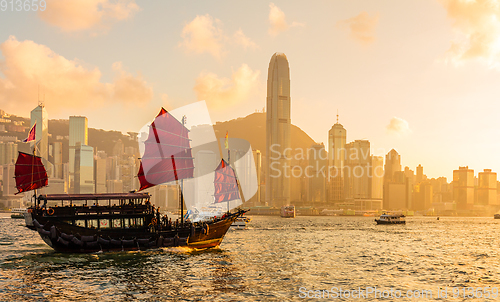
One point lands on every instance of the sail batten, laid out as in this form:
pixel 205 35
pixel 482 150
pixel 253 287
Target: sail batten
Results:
pixel 226 184
pixel 167 138
pixel 29 173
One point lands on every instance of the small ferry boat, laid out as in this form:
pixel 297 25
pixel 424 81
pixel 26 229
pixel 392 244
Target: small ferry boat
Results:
pixel 18 213
pixel 288 211
pixel 391 219
pixel 240 223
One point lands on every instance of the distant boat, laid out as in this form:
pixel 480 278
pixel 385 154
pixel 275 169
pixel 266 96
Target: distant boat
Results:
pixel 391 219
pixel 240 223
pixel 18 213
pixel 496 216
pixel 288 211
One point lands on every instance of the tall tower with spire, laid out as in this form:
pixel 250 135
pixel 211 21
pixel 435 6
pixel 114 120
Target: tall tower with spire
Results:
pixel 40 116
pixel 336 161
pixel 278 123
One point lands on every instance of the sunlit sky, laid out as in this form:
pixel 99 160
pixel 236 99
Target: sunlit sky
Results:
pixel 421 77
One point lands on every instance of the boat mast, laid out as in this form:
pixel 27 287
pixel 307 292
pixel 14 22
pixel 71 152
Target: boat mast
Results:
pixel 229 163
pixel 34 154
pixel 183 121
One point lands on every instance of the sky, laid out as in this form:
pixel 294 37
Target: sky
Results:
pixel 418 76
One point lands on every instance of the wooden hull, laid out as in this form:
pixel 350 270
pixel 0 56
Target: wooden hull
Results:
pixel 68 238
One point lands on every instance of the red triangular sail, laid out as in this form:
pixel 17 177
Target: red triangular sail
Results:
pixel 226 185
pixel 30 173
pixel 167 152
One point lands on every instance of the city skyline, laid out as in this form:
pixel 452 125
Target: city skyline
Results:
pixel 362 188
pixel 419 89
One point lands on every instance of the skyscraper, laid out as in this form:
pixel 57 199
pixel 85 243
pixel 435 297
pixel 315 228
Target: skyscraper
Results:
pixel 336 162
pixel 487 189
pixel 377 177
pixel 8 153
pixel 317 163
pixel 57 158
pixel 84 169
pixel 463 188
pixel 420 174
pixel 392 164
pixel 356 170
pixel 40 116
pixel 278 125
pixel 395 183
pixel 78 133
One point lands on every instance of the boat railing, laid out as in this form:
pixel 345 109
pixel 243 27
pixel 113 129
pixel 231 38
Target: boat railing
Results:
pixel 95 209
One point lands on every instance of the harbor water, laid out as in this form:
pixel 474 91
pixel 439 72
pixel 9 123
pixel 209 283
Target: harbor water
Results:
pixel 275 259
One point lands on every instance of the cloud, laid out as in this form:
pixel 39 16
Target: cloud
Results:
pixel 79 15
pixel 277 21
pixel 205 35
pixel 398 126
pixel 241 39
pixel 224 92
pixel 29 66
pixel 129 89
pixel 477 28
pixel 361 28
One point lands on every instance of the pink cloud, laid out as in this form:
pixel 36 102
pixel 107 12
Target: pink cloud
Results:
pixel 29 67
pixel 78 15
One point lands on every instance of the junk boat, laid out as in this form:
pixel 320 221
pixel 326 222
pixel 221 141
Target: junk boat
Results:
pixel 87 223
pixel 391 219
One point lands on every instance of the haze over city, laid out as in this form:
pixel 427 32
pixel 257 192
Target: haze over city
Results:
pixel 417 76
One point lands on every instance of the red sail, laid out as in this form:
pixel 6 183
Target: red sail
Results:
pixel 30 173
pixel 167 152
pixel 226 185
